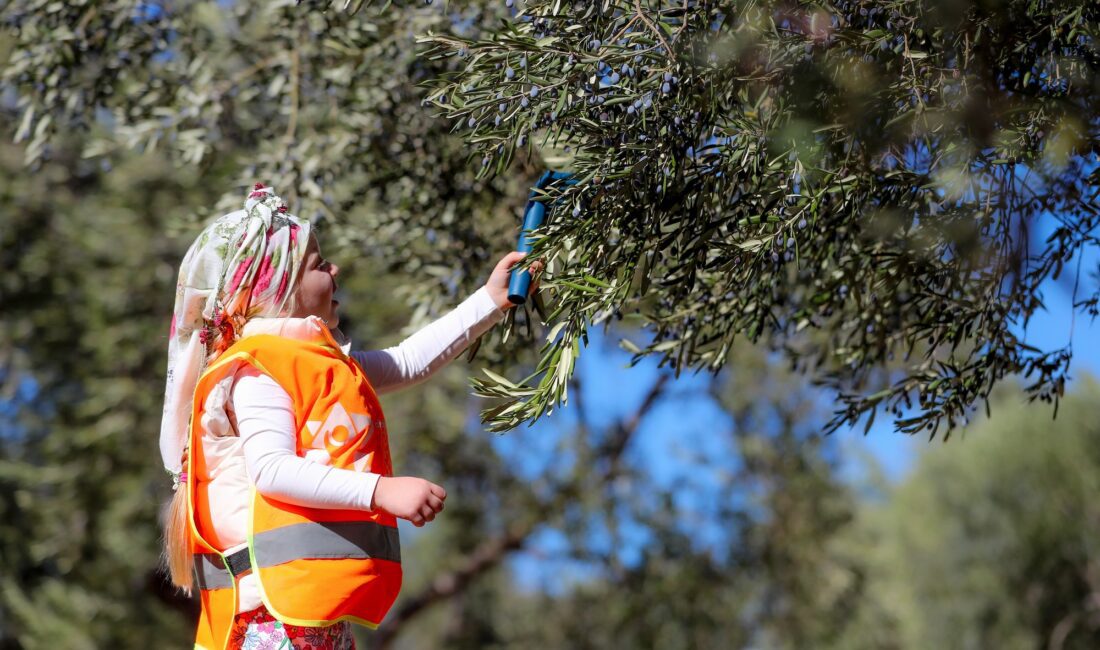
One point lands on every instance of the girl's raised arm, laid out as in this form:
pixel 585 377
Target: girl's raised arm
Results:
pixel 433 347
pixel 422 354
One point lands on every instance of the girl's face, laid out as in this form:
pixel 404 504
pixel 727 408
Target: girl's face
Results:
pixel 317 285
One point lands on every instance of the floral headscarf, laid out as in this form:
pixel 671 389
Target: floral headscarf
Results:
pixel 243 265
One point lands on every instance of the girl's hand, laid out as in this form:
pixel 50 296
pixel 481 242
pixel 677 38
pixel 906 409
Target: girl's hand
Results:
pixel 498 280
pixel 408 497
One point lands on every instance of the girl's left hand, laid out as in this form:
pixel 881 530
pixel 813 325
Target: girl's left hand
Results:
pixel 498 280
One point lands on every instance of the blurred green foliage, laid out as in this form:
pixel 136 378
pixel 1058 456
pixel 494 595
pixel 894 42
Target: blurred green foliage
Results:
pixel 86 287
pixel 138 120
pixel 992 541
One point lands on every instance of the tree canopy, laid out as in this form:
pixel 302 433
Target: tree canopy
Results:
pixel 868 185
pixel 877 188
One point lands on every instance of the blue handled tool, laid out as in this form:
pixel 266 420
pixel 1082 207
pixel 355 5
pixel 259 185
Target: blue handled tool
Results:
pixel 533 216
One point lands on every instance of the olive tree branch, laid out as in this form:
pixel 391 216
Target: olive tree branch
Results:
pixel 493 551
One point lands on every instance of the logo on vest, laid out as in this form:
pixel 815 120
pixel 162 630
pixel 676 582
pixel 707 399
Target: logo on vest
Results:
pixel 332 436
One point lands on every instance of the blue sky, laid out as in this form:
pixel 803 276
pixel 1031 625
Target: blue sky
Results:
pixel 687 424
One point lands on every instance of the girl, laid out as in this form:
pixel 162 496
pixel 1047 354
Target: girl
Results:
pixel 285 500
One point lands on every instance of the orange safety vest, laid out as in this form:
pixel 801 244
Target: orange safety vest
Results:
pixel 315 566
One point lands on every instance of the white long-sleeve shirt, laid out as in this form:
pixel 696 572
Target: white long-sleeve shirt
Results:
pixel 265 451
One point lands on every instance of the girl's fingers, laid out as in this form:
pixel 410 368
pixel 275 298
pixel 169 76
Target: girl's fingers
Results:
pixel 509 260
pixel 435 504
pixel 438 491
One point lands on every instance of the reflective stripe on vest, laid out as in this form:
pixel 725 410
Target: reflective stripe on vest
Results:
pixel 210 572
pixel 359 540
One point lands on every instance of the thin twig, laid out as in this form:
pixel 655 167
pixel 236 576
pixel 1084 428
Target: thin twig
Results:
pixel 296 81
pixel 85 19
pixel 230 83
pixel 652 27
pixel 683 21
pixel 622 31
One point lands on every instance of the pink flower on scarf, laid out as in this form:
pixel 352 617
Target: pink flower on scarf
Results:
pixel 172 327
pixel 263 280
pixel 282 287
pixel 239 275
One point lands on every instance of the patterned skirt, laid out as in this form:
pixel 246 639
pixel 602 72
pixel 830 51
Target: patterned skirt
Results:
pixel 259 630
